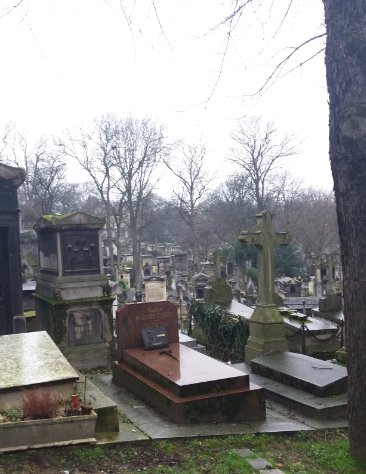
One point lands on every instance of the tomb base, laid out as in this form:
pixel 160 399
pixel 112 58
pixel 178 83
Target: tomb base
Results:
pixel 89 356
pixel 305 373
pixel 189 387
pixel 267 332
pixel 81 329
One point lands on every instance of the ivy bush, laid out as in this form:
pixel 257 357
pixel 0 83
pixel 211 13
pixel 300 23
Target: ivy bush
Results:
pixel 224 334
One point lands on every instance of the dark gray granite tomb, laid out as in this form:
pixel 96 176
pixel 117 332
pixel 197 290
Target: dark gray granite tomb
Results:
pixel 11 301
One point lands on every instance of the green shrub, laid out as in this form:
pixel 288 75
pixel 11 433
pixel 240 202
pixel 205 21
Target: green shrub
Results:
pixel 224 334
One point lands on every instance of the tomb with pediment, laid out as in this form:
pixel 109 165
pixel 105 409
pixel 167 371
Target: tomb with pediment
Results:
pixel 73 298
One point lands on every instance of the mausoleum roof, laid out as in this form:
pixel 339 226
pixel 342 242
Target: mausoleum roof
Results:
pixel 68 221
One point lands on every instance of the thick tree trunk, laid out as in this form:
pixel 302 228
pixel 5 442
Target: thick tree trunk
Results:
pixel 346 77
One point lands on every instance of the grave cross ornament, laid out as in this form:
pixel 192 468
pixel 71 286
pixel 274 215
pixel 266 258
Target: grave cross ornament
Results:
pixel 265 239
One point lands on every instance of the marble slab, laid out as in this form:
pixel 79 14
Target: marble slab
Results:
pixel 302 372
pixel 30 359
pixel 314 325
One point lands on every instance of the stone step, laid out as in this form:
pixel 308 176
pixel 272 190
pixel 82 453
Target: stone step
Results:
pixel 332 407
pixel 302 372
pixel 104 407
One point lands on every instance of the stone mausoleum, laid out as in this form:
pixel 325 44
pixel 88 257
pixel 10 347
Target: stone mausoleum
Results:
pixel 73 297
pixel 11 301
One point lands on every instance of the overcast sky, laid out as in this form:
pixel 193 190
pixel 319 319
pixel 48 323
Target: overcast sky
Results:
pixel 65 62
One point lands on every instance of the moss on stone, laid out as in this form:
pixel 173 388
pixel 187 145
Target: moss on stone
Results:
pixel 57 217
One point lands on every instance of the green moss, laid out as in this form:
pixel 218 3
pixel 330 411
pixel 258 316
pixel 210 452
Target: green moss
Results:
pixel 56 217
pixel 341 355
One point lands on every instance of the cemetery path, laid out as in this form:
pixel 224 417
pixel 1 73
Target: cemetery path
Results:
pixel 280 419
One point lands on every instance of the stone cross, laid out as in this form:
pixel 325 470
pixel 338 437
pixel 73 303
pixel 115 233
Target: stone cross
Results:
pixel 265 239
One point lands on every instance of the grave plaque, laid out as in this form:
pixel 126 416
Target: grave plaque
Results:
pixel 132 318
pixel 80 252
pixel 85 326
pixel 154 338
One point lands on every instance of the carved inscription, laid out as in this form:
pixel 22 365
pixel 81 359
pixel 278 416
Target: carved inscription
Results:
pixel 132 318
pixel 80 252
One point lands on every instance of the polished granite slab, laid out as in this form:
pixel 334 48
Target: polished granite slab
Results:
pixel 30 359
pixel 133 318
pixel 184 371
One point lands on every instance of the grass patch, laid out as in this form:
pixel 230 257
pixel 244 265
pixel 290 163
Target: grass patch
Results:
pixel 321 452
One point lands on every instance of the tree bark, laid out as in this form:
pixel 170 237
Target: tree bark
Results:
pixel 346 78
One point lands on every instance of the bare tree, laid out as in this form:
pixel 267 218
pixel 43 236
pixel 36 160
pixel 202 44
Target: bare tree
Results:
pixel 230 209
pixel 310 217
pixel 92 149
pixel 44 173
pixel 258 153
pixel 138 147
pixel 191 190
pixel 6 134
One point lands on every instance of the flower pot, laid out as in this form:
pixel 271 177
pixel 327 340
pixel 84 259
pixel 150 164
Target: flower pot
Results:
pixel 58 431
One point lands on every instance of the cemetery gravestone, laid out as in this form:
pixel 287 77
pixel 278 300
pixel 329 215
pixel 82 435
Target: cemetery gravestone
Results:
pixel 133 318
pixel 188 387
pixel 266 350
pixel 181 263
pixel 267 331
pixel 155 288
pixel 73 296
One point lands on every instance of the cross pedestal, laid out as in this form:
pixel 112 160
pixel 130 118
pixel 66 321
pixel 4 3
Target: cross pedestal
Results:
pixel 267 329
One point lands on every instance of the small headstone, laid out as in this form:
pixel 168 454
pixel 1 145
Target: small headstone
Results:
pixel 219 292
pixel 155 288
pixel 132 318
pixel 331 303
